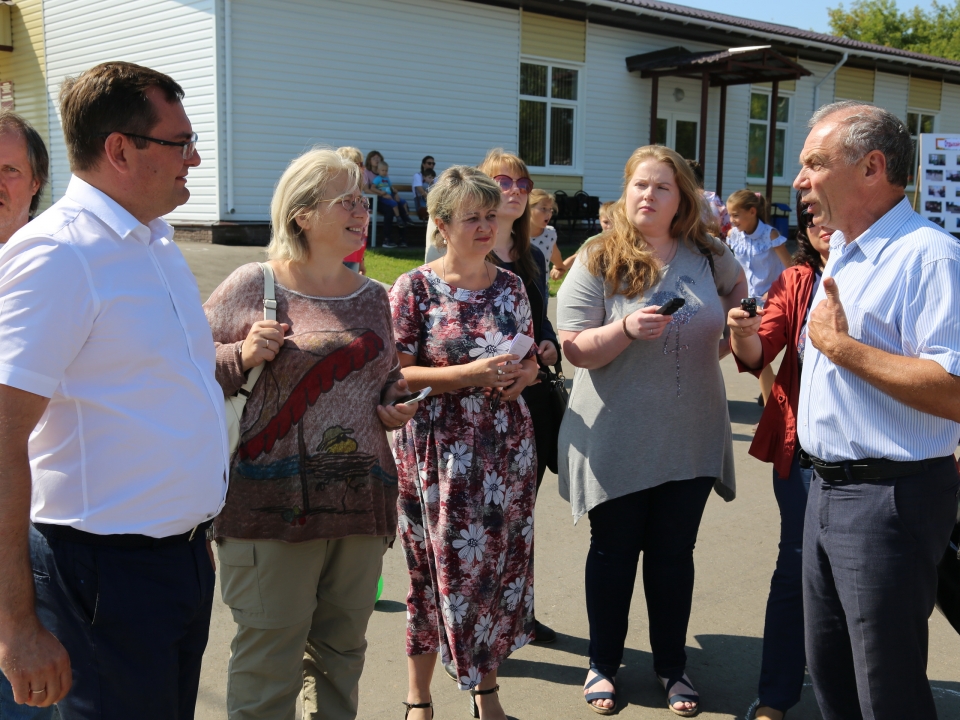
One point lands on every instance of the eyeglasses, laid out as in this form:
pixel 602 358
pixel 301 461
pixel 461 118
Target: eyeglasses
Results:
pixel 349 202
pixel 524 184
pixel 187 147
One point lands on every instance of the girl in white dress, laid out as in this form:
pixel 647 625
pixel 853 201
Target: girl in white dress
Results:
pixel 761 251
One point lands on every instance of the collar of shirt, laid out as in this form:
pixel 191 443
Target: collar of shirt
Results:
pixel 875 238
pixel 114 215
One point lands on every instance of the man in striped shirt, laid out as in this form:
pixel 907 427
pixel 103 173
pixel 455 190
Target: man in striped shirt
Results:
pixel 879 418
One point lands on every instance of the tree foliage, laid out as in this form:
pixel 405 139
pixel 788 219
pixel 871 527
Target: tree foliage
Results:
pixel 932 31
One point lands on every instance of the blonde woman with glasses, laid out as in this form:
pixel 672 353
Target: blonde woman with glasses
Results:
pixel 313 485
pixel 467 462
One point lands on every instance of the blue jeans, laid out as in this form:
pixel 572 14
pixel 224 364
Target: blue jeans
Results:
pixel 784 660
pixel 385 206
pixel 662 522
pixel 133 621
pixel 870 554
pixel 10 710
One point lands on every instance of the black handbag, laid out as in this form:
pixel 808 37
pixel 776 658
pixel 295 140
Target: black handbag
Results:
pixel 948 581
pixel 547 402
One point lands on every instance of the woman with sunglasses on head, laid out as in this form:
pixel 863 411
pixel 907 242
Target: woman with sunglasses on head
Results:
pixel 466 463
pixel 515 252
pixel 646 434
pixel 313 484
pixel 756 341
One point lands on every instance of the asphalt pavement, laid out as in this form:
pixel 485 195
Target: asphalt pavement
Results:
pixel 735 557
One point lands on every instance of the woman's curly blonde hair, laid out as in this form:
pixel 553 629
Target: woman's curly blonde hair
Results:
pixel 621 256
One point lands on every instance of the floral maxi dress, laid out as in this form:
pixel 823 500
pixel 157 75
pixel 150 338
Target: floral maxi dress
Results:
pixel 467 475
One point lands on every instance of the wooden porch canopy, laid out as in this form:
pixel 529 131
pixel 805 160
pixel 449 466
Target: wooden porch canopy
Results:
pixel 736 66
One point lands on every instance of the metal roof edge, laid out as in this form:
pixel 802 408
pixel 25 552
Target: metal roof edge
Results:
pixel 709 18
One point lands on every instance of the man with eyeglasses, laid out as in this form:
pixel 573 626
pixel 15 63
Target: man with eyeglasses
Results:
pixel 111 414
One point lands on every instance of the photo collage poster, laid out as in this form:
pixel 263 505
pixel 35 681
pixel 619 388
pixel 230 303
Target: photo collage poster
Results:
pixel 939 186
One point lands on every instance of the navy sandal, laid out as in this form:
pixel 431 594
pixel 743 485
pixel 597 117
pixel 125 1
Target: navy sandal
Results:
pixel 474 708
pixel 669 684
pixel 418 706
pixel 605 695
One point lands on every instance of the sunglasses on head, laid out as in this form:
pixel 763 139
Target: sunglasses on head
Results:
pixel 524 184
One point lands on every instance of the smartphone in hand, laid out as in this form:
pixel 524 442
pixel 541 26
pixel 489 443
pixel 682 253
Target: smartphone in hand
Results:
pixel 415 397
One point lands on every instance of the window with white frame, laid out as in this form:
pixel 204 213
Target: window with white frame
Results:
pixel 549 113
pixel 758 143
pixel 919 121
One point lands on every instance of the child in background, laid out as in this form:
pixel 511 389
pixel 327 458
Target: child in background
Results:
pixel 354 261
pixel 390 200
pixel 762 253
pixel 427 178
pixel 542 234
pixel 606 223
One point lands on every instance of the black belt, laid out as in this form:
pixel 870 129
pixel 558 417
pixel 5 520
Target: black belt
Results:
pixel 128 541
pixel 867 469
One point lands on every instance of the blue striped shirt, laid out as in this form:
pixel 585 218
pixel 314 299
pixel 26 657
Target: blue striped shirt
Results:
pixel 899 284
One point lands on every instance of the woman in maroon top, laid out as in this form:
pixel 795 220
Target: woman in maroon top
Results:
pixel 756 342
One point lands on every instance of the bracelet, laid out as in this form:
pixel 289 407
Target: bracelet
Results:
pixel 627 332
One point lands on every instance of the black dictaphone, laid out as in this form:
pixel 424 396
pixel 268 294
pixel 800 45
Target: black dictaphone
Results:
pixel 671 306
pixel 750 305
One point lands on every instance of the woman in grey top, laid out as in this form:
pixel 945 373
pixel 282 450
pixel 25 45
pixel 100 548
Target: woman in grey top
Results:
pixel 646 434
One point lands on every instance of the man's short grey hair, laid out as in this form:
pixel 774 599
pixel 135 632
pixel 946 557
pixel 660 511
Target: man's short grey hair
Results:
pixel 866 128
pixel 36 151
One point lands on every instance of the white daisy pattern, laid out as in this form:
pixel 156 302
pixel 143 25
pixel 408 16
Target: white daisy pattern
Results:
pixel 458 458
pixel 522 313
pixel 471 403
pixel 520 641
pixel 471 543
pixel 490 345
pixel 483 630
pixel 524 456
pixel 527 531
pixel 471 679
pixel 505 301
pixel 455 608
pixel 493 489
pixel 514 592
pixel 463 503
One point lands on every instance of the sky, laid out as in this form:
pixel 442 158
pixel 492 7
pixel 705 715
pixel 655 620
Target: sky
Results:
pixel 808 15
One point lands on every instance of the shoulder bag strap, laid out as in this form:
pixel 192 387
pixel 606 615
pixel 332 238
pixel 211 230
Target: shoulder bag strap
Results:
pixel 269 313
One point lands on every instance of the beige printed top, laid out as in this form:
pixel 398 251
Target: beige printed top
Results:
pixel 313 460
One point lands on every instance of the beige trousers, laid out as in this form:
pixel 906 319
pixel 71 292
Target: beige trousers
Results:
pixel 301 611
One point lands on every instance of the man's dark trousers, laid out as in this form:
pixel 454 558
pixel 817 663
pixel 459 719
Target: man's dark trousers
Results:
pixel 134 622
pixel 870 556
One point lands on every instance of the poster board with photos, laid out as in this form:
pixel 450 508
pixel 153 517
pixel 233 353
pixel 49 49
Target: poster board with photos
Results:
pixel 939 180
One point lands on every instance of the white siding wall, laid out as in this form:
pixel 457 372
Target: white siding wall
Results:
pixel 950 109
pixel 407 77
pixel 890 92
pixel 618 111
pixel 174 36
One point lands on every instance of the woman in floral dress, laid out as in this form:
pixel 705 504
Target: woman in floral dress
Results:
pixel 466 462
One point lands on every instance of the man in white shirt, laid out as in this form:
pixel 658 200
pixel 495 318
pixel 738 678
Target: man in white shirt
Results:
pixel 878 418
pixel 108 402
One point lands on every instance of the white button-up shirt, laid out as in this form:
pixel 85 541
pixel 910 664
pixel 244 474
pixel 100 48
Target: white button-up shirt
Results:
pixel 899 284
pixel 102 315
